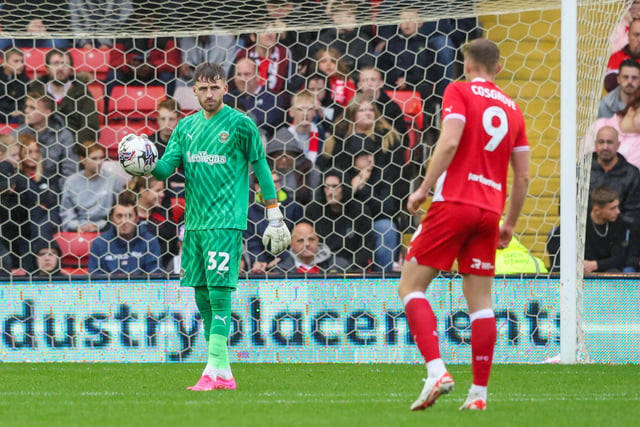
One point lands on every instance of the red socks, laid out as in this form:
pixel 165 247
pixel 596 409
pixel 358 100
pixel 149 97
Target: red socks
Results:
pixel 483 340
pixel 424 327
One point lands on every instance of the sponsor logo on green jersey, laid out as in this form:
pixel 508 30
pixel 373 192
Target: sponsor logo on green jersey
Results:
pixel 204 157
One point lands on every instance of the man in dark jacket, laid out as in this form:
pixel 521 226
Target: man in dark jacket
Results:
pixel 124 248
pixel 13 86
pixel 609 168
pixel 74 102
pixel 59 160
pixel 308 256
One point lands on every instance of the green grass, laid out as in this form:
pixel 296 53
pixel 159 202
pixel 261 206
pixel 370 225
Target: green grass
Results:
pixel 66 394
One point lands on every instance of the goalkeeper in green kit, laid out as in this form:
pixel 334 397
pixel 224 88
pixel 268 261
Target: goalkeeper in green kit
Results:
pixel 216 146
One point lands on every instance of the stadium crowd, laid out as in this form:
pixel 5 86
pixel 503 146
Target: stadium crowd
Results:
pixel 343 147
pixel 347 115
pixel 612 237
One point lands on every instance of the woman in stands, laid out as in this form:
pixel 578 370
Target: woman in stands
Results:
pixel 371 153
pixel 342 87
pixel 44 213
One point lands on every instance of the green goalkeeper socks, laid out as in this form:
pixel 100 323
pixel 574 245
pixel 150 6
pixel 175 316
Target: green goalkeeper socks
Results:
pixel 218 352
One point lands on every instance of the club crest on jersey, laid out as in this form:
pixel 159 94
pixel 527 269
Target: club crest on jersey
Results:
pixel 224 135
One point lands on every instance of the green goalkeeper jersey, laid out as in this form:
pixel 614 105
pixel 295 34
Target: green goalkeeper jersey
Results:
pixel 216 154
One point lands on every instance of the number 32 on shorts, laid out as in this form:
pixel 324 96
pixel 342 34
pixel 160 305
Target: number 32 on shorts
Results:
pixel 218 261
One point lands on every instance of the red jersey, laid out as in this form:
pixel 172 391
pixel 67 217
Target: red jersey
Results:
pixel 494 128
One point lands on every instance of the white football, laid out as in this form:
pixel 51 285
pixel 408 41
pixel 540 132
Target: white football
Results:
pixel 138 156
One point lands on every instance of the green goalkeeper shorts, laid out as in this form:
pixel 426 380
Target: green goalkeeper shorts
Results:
pixel 211 257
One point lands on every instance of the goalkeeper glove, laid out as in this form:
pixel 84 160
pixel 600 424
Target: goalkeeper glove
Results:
pixel 277 232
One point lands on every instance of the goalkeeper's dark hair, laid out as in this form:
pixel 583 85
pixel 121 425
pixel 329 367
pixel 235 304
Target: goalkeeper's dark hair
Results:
pixel 209 71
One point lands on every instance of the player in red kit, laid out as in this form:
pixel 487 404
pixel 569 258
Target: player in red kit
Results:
pixel 483 131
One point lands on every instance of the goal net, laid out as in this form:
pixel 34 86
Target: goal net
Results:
pixel 123 60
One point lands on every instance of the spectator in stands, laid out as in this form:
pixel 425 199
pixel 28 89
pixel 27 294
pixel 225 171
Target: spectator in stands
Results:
pixel 273 59
pixel 379 187
pixel 308 255
pixel 379 178
pixel 261 260
pixel 370 82
pixel 352 41
pixel 59 158
pixel 167 120
pixel 285 13
pixel 13 86
pixel 342 88
pixel 16 230
pixel 88 195
pixel 362 122
pixel 35 188
pixel 609 168
pixel 248 95
pixel 98 17
pixel 5 141
pixel 627 123
pixel 630 51
pixel 9 150
pixel 124 248
pixel 328 110
pixel 628 79
pixel 606 236
pixel 417 58
pixel 145 61
pixel 217 47
pixel 620 35
pixel 299 176
pixel 154 218
pixel 304 131
pixel 343 223
pixel 18 16
pixel 47 259
pixel 74 102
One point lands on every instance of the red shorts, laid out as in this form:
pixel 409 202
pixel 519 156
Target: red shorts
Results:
pixel 454 230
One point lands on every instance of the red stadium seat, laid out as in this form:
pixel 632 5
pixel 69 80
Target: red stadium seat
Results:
pixel 177 209
pixel 75 271
pixel 135 102
pixel 34 61
pixel 111 135
pixel 97 90
pixel 75 248
pixel 6 128
pixel 94 61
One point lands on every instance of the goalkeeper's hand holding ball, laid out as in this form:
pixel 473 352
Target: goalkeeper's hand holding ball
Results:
pixel 277 236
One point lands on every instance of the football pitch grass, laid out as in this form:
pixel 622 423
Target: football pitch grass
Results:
pixel 67 394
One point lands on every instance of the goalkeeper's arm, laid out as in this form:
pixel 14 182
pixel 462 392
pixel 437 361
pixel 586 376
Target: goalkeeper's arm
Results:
pixel 163 170
pixel 277 236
